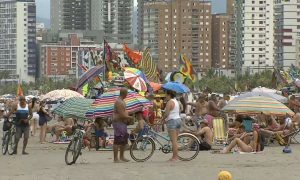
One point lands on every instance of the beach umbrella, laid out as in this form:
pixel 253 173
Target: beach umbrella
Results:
pixel 90 75
pixel 264 90
pixel 277 97
pixel 155 86
pixel 257 105
pixel 74 108
pixel 60 94
pixel 135 78
pixel 104 106
pixel 176 87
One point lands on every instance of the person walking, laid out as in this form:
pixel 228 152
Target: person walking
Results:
pixel 173 121
pixel 35 117
pixel 43 119
pixel 120 121
pixel 23 113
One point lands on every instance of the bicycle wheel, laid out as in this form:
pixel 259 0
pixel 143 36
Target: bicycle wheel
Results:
pixel 188 147
pixel 77 150
pixel 142 149
pixel 11 143
pixel 5 143
pixel 70 153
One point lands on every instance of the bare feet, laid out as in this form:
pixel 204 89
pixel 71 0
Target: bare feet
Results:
pixel 173 160
pixel 25 153
pixel 125 160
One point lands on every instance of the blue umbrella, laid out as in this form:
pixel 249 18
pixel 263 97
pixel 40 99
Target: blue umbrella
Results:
pixel 176 87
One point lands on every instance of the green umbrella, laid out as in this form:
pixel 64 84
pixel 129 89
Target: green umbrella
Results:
pixel 74 108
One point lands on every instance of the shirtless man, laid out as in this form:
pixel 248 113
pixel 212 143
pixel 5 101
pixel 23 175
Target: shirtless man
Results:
pixel 205 136
pixel 200 106
pixel 23 114
pixel 212 107
pixel 120 121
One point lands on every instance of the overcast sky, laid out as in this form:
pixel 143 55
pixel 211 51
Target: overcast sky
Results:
pixel 43 7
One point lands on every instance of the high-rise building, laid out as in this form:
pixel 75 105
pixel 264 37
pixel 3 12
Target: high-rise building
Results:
pixel 114 17
pixel 232 31
pixel 287 33
pixel 220 41
pixel 70 14
pixel 172 28
pixel 254 25
pixel 18 39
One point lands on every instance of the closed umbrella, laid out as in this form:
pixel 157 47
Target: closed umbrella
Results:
pixel 257 105
pixel 104 106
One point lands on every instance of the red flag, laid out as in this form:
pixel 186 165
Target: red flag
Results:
pixel 135 57
pixel 20 90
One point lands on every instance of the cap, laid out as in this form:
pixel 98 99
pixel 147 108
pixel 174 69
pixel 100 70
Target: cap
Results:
pixel 224 175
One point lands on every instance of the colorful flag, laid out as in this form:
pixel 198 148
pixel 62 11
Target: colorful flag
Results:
pixel 135 57
pixel 186 68
pixel 148 66
pixel 20 90
pixel 107 51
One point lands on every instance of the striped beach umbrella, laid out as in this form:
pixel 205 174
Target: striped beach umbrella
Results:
pixel 74 108
pixel 257 105
pixel 135 78
pixel 104 106
pixel 89 75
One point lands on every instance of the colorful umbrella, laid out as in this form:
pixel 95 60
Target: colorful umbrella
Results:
pixel 277 97
pixel 104 106
pixel 155 86
pixel 74 107
pixel 89 75
pixel 257 105
pixel 176 87
pixel 60 94
pixel 135 78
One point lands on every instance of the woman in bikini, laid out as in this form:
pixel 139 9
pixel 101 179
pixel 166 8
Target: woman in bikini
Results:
pixel 244 143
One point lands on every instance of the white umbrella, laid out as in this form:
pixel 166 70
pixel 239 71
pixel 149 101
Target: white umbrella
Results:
pixel 264 90
pixel 61 94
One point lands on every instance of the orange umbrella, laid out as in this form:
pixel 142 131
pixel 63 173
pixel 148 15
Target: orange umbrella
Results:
pixel 155 86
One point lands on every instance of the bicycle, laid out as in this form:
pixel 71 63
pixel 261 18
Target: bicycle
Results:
pixel 75 146
pixel 188 146
pixel 8 140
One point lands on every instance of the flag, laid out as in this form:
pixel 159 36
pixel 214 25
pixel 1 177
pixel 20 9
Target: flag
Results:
pixel 135 57
pixel 107 51
pixel 186 68
pixel 148 66
pixel 20 90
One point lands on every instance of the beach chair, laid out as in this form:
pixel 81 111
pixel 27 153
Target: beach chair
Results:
pixel 220 134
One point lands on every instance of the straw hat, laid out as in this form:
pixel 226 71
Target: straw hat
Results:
pixel 224 175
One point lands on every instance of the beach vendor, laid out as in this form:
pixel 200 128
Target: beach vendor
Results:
pixel 120 121
pixel 23 114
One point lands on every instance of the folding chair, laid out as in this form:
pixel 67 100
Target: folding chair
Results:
pixel 220 135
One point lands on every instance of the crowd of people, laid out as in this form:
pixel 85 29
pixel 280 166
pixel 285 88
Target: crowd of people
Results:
pixel 173 111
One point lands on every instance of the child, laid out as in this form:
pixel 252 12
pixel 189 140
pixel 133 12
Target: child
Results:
pixel 138 130
pixel 100 131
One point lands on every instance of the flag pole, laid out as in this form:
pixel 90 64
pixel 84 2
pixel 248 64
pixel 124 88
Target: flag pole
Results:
pixel 104 60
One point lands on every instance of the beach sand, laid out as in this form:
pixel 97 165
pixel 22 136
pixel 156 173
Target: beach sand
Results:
pixel 46 162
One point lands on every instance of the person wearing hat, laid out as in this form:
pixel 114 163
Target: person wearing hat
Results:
pixel 205 135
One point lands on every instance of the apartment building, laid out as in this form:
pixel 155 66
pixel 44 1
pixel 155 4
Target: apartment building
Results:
pixel 287 33
pixel 18 39
pixel 254 23
pixel 113 17
pixel 220 41
pixel 171 28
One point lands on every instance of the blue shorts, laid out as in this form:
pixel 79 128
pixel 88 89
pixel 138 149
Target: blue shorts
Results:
pixel 174 124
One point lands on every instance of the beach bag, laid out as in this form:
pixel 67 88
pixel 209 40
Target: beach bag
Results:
pixel 6 125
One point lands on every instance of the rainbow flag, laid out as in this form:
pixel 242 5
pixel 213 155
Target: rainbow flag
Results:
pixel 186 68
pixel 148 66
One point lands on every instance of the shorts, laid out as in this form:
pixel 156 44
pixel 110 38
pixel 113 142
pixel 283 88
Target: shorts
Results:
pixel 204 146
pixel 101 133
pixel 22 130
pixel 173 124
pixel 42 121
pixel 120 134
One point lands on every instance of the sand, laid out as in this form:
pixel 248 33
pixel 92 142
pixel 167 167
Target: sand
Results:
pixel 46 161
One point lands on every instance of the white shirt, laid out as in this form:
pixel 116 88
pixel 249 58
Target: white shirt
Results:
pixel 175 112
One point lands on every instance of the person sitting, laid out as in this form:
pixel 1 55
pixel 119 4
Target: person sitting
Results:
pixel 247 142
pixel 205 135
pixel 61 126
pixel 138 130
pixel 101 134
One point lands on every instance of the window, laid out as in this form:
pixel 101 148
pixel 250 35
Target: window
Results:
pixel 252 49
pixel 166 16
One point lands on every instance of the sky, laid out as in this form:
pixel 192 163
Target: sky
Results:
pixel 43 7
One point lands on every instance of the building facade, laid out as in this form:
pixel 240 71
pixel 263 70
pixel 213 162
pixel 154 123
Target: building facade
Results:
pixel 287 33
pixel 172 28
pixel 254 36
pixel 18 39
pixel 113 17
pixel 220 41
